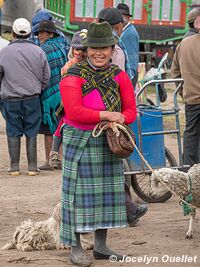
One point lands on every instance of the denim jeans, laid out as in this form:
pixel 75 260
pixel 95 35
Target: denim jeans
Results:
pixel 22 116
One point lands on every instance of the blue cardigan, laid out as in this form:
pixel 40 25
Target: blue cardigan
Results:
pixel 130 40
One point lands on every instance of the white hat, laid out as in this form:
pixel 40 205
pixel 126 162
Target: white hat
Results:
pixel 21 27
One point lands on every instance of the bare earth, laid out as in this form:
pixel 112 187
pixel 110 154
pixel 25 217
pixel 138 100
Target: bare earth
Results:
pixel 159 234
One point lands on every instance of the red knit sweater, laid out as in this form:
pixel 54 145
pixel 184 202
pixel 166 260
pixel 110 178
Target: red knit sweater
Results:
pixel 76 110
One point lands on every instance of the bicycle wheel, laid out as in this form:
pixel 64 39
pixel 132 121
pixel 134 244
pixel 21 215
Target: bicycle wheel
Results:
pixel 142 187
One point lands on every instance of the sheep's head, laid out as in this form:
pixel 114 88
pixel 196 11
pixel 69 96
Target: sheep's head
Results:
pixel 157 188
pixel 175 180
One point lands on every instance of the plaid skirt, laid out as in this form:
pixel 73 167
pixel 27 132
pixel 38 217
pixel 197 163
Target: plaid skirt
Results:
pixel 93 194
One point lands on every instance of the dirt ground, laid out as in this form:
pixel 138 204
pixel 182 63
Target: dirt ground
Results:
pixel 158 239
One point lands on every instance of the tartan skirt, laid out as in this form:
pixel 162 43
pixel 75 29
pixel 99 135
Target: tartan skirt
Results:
pixel 93 194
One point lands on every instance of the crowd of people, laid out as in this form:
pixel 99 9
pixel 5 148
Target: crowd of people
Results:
pixel 63 91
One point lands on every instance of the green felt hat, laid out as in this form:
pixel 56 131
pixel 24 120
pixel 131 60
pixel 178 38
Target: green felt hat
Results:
pixel 99 35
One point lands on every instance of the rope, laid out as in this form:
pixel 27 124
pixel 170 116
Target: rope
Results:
pixel 98 130
pixel 116 125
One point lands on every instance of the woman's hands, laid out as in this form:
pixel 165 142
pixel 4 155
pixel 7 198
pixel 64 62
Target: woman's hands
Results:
pixel 112 116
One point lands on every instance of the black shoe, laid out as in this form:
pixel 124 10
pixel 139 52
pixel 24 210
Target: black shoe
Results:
pixel 133 217
pixel 100 256
pixel 132 224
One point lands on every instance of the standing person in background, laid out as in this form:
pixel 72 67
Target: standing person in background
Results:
pixel 24 73
pixel 114 18
pixel 77 53
pixel 40 16
pixel 3 43
pixel 50 97
pixel 186 65
pixel 192 15
pixel 129 39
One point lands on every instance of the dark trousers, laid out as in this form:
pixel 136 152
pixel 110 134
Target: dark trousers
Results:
pixel 130 205
pixel 191 139
pixel 22 116
pixel 1 105
pixel 134 80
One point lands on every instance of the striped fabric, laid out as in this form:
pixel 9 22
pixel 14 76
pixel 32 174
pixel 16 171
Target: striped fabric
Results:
pixel 93 185
pixel 62 39
pixel 102 80
pixel 51 95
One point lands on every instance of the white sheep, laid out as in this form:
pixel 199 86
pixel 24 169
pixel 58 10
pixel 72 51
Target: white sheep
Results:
pixel 179 182
pixel 42 235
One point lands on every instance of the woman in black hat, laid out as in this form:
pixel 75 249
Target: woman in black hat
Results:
pixel 50 97
pixel 93 197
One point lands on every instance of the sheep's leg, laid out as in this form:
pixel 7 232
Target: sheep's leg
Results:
pixel 189 233
pixel 9 245
pixel 24 247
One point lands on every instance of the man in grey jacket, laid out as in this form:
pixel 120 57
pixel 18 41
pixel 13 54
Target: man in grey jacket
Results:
pixel 24 73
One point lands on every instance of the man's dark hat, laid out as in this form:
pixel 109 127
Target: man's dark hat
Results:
pixel 111 14
pixel 47 26
pixel 124 9
pixel 99 35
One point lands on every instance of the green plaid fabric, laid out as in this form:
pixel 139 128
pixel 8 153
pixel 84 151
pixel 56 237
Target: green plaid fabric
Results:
pixel 102 80
pixel 93 194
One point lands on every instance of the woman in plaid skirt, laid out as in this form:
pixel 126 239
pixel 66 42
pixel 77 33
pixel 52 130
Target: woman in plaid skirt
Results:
pixel 93 197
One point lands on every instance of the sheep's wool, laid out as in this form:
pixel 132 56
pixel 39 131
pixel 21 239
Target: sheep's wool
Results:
pixel 179 182
pixel 194 173
pixel 41 235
